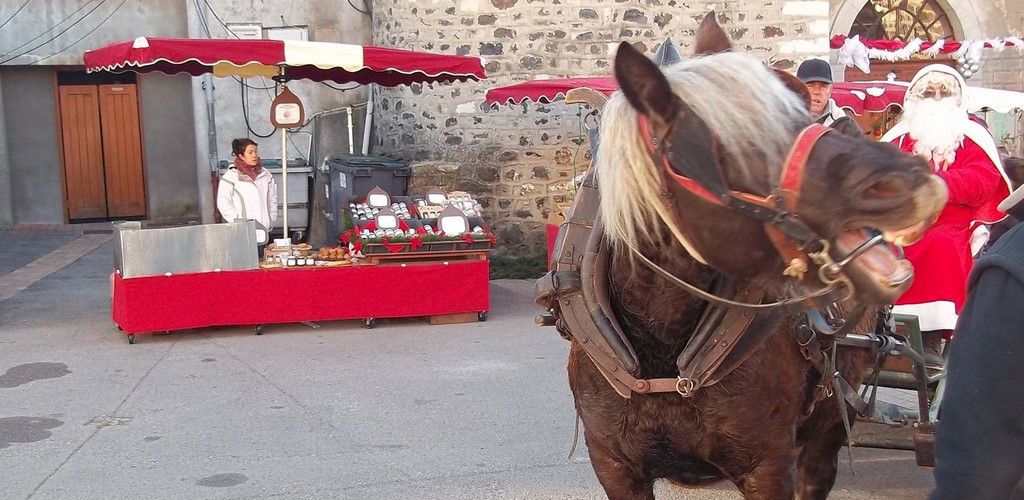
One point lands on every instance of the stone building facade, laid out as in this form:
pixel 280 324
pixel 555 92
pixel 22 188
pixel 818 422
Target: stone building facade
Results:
pixel 519 160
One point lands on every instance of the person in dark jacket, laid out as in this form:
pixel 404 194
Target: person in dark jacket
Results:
pixel 979 440
pixel 1014 168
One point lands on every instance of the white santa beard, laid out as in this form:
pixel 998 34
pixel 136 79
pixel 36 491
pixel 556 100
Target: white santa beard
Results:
pixel 937 129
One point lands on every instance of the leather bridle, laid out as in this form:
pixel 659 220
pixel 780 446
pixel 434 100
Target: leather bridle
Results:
pixel 576 290
pixel 795 242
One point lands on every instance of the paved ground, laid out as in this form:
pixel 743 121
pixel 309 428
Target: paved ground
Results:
pixel 404 411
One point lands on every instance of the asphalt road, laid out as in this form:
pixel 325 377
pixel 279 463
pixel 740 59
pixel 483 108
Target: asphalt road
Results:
pixel 403 411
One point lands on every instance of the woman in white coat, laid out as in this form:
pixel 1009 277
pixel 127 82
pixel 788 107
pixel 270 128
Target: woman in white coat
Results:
pixel 247 190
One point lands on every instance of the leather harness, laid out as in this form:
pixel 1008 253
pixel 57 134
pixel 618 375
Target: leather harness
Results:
pixel 575 291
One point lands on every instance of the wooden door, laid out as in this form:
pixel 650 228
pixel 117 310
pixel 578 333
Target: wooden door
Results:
pixel 102 148
pixel 122 151
pixel 83 152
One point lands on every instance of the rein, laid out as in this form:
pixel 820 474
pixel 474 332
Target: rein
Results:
pixel 820 298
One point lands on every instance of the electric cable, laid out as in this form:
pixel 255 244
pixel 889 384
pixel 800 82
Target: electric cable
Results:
pixel 202 18
pixel 54 37
pixel 298 150
pixel 245 116
pixel 242 85
pixel 15 13
pixel 343 89
pixel 51 28
pixel 219 20
pixel 206 28
pixel 357 9
pixel 105 19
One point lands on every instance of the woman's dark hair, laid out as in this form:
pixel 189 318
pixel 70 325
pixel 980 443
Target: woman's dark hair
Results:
pixel 238 145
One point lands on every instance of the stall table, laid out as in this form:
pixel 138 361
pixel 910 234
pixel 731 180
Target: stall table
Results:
pixel 300 294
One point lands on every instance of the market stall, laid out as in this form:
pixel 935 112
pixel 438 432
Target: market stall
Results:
pixel 283 61
pixel 427 258
pixel 296 283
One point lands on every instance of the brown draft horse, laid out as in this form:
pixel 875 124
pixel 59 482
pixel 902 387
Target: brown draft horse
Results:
pixel 753 427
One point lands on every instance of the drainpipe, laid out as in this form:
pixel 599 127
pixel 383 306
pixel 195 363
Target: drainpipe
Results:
pixel 211 138
pixel 211 116
pixel 205 160
pixel 369 119
pixel 349 123
pixel 6 205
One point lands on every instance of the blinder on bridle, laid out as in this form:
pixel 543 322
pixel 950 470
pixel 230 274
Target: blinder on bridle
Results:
pixel 690 158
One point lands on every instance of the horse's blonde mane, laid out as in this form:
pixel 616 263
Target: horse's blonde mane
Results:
pixel 747 107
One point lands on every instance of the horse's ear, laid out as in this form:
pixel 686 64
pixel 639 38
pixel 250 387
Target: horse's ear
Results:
pixel 796 85
pixel 648 91
pixel 644 85
pixel 711 38
pixel 847 126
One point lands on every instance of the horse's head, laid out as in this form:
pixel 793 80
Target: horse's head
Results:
pixel 713 153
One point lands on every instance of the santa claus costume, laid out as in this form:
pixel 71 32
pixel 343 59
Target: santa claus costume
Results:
pixel 962 152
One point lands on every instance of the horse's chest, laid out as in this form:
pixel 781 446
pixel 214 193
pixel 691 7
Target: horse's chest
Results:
pixel 652 414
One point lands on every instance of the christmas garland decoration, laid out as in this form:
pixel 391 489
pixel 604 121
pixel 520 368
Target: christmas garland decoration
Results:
pixel 852 51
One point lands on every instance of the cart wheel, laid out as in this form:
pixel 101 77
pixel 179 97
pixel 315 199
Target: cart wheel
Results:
pixel 481 316
pixel 258 329
pixel 131 338
pixel 368 323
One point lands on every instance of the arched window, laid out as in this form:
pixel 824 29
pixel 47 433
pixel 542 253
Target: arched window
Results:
pixel 902 20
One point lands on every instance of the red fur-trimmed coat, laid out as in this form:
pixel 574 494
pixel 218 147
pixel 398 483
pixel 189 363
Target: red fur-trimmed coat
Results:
pixel 942 258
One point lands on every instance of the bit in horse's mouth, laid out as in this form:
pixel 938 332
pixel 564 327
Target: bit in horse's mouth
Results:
pixel 880 264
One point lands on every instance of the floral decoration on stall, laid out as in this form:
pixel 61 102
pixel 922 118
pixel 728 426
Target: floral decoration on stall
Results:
pixel 854 51
pixel 399 242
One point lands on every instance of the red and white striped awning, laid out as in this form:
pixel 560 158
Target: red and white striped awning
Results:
pixel 317 61
pixel 868 96
pixel 858 97
pixel 547 90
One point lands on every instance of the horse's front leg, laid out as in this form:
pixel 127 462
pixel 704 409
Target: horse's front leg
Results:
pixel 818 466
pixel 621 481
pixel 823 435
pixel 600 409
pixel 771 479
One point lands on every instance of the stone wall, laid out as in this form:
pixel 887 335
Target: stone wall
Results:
pixel 1005 70
pixel 519 159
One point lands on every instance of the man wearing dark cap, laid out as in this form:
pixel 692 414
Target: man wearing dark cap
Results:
pixel 817 75
pixel 980 434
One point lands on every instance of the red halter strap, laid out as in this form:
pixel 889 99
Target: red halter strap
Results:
pixel 790 237
pixel 793 168
pixel 791 176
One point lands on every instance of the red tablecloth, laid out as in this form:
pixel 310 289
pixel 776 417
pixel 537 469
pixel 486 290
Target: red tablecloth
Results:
pixel 552 239
pixel 181 301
